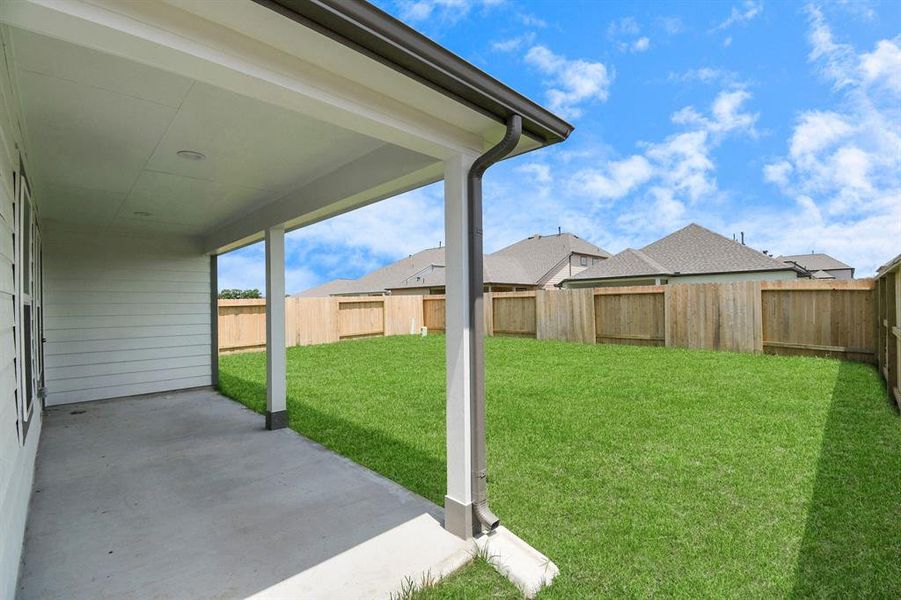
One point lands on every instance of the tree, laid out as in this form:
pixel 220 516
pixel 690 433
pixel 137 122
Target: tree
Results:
pixel 234 294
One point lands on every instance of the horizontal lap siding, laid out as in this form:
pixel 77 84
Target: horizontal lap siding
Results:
pixel 16 458
pixel 124 315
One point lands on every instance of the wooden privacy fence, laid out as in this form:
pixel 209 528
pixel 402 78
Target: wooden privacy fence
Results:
pixel 834 318
pixel 888 326
pixel 242 323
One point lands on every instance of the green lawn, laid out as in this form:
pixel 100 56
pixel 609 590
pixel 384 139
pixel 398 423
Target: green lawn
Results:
pixel 639 471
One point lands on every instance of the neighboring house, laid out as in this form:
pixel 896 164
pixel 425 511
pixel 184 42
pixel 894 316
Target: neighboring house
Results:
pixel 331 288
pixel 537 262
pixel 139 141
pixel 693 254
pixel 821 266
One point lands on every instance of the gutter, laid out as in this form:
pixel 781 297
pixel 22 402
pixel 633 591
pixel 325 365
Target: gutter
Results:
pixel 370 31
pixel 484 520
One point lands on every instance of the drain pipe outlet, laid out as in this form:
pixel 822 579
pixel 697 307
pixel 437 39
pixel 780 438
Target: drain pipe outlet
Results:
pixel 485 520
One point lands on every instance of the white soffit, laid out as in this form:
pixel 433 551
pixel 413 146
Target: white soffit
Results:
pixel 102 135
pixel 175 40
pixel 261 23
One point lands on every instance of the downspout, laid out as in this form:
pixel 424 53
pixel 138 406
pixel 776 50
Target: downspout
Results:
pixel 485 520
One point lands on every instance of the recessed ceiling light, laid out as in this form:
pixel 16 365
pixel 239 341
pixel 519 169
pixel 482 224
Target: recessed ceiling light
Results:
pixel 142 213
pixel 191 154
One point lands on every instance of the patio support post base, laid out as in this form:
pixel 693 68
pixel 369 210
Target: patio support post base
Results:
pixel 276 420
pixel 458 518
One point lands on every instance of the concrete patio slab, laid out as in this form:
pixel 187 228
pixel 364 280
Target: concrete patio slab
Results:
pixel 186 495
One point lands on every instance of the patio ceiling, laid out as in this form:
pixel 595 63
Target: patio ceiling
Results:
pixel 103 135
pixel 295 126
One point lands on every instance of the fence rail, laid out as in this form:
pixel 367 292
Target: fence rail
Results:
pixel 835 318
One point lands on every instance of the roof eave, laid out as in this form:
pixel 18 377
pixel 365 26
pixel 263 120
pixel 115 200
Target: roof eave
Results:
pixel 378 35
pixel 680 274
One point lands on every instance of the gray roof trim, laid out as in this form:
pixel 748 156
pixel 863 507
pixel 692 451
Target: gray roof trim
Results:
pixel 370 31
pixel 673 275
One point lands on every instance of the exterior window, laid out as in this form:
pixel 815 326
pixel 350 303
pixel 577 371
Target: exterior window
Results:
pixel 583 260
pixel 595 260
pixel 29 330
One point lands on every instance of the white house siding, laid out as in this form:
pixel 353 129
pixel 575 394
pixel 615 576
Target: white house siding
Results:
pixel 569 267
pixel 16 458
pixel 125 314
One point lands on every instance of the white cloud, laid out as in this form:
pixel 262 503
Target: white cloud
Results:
pixel 726 112
pixel 778 172
pixel 838 60
pixel 572 82
pixel 444 10
pixel 389 229
pixel 679 168
pixel 540 173
pixel 671 25
pixel 843 166
pixel 615 179
pixel 246 269
pixel 684 165
pixel 624 26
pixel 625 35
pixel 702 74
pixel 749 10
pixel 883 65
pixel 514 43
pixel 817 131
pixel 530 20
pixel 641 44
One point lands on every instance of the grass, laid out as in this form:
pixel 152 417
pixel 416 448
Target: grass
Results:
pixel 639 471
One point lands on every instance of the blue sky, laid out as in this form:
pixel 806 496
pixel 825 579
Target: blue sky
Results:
pixel 780 120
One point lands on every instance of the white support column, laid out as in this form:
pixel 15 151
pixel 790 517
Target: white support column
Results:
pixel 458 512
pixel 276 384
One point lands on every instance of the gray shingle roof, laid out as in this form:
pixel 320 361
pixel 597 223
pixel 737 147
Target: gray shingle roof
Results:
pixel 814 261
pixel 691 250
pixel 335 286
pixel 822 275
pixel 394 274
pixel 528 260
pixel 628 263
pixel 524 263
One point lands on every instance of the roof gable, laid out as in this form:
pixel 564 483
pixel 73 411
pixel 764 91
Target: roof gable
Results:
pixel 528 261
pixel 695 250
pixel 691 250
pixel 628 263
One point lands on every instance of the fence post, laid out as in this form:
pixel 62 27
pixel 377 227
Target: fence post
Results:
pixel 667 316
pixel 489 313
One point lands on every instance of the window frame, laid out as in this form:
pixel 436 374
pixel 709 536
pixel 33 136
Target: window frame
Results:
pixel 27 303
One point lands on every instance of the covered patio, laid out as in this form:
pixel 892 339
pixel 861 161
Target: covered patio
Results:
pixel 184 495
pixel 138 142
